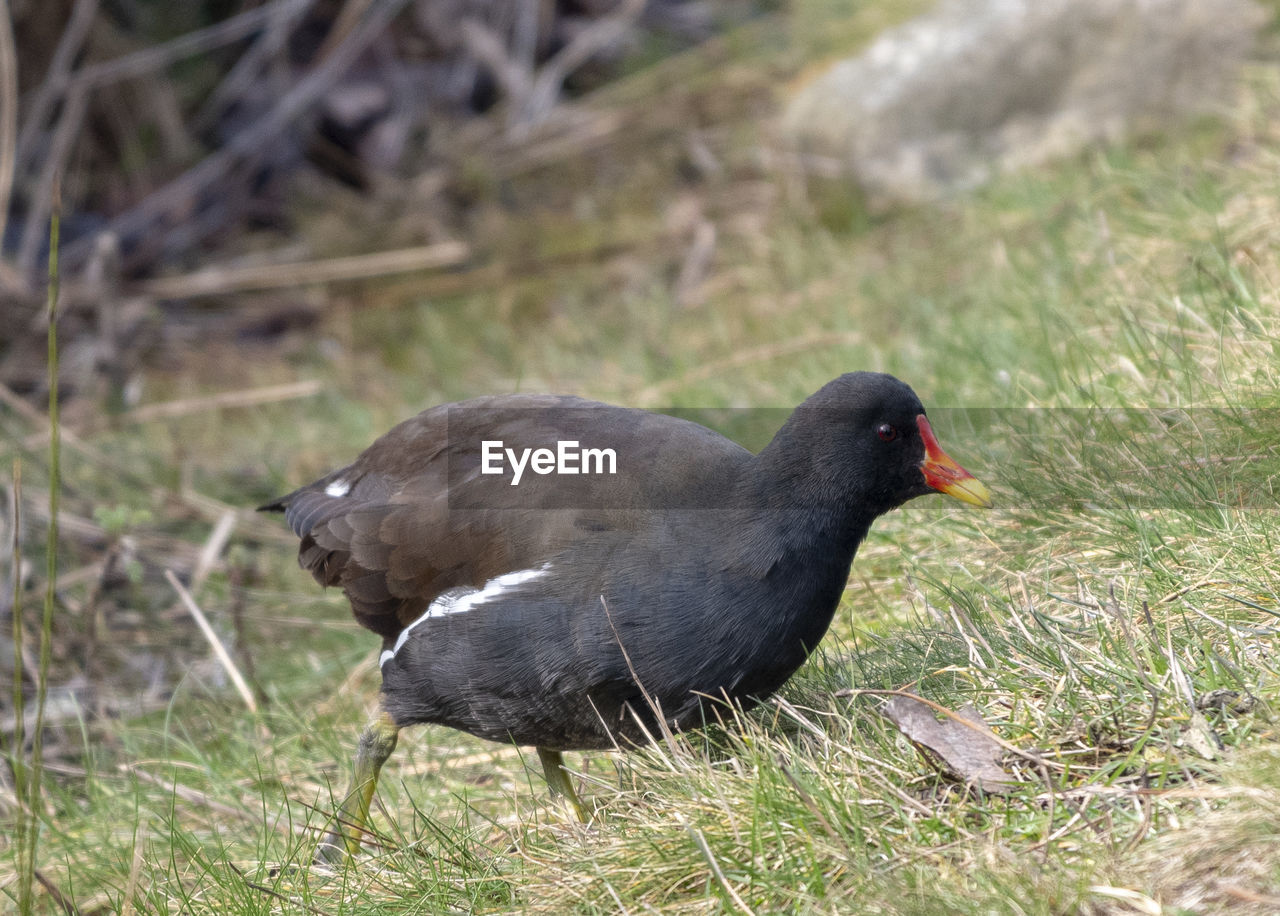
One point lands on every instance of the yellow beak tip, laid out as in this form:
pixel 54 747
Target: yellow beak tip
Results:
pixel 971 491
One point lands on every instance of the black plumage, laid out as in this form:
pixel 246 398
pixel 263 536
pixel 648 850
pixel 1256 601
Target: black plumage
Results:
pixel 563 612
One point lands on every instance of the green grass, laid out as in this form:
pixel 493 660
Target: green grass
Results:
pixel 1098 341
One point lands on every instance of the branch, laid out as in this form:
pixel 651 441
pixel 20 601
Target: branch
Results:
pixel 250 143
pixel 41 205
pixel 594 38
pixel 148 60
pixel 246 69
pixel 516 81
pixel 8 112
pixel 531 96
pixel 56 78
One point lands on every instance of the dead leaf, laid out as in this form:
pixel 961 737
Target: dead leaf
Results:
pixel 961 744
pixel 1200 738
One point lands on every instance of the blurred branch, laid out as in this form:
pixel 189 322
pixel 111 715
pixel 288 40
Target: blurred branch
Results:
pixel 343 23
pixel 56 78
pixel 283 15
pixel 149 60
pixel 532 95
pixel 487 47
pixel 8 113
pixel 250 143
pixel 222 280
pixel 41 204
pixel 219 650
pixel 270 394
pixel 591 40
pixel 75 88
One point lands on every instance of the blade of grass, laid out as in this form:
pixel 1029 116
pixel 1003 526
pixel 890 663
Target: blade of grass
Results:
pixel 22 825
pixel 51 543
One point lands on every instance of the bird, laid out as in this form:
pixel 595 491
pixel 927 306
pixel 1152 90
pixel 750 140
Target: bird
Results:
pixel 564 574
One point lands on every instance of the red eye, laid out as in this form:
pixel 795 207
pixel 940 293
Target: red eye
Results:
pixel 886 432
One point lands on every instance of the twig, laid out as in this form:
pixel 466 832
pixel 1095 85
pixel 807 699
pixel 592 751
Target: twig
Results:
pixel 250 143
pixel 221 280
pixel 66 706
pixel 524 33
pixel 8 112
pixel 485 46
pixel 62 900
pixel 205 506
pixel 69 439
pixel 199 503
pixel 530 95
pixel 148 60
pixel 595 37
pixel 342 24
pixel 212 509
pixel 649 699
pixel 64 137
pixel 168 410
pixel 213 548
pixel 245 72
pixel 55 78
pixel 216 644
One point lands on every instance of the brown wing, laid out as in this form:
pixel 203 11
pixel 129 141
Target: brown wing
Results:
pixel 413 516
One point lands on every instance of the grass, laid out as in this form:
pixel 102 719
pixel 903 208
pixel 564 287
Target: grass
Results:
pixel 1096 340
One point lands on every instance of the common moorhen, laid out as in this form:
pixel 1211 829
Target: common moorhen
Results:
pixel 555 572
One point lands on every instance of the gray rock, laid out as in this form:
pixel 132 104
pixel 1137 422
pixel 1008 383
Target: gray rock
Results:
pixel 979 87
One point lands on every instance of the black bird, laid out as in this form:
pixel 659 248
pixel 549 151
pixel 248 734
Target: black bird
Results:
pixel 569 610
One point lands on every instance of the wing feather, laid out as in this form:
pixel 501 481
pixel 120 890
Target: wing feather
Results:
pixel 390 530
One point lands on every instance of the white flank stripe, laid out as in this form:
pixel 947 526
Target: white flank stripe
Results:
pixel 458 604
pixel 337 489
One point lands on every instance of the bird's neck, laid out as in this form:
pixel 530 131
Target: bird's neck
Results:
pixel 790 483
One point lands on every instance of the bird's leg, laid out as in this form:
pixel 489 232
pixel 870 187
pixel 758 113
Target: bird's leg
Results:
pixel 559 782
pixel 376 744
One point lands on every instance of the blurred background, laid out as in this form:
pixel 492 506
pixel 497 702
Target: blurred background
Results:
pixel 287 225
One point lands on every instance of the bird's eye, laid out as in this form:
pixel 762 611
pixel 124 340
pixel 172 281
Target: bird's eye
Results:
pixel 886 432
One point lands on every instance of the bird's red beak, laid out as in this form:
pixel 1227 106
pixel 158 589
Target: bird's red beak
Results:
pixel 944 475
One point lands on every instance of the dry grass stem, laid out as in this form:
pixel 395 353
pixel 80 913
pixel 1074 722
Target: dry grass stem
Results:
pixel 219 651
pixel 224 280
pixel 225 400
pixel 213 548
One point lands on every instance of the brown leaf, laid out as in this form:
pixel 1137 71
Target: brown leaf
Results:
pixel 960 744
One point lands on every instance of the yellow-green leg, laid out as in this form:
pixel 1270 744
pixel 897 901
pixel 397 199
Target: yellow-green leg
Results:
pixel 559 782
pixel 376 744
